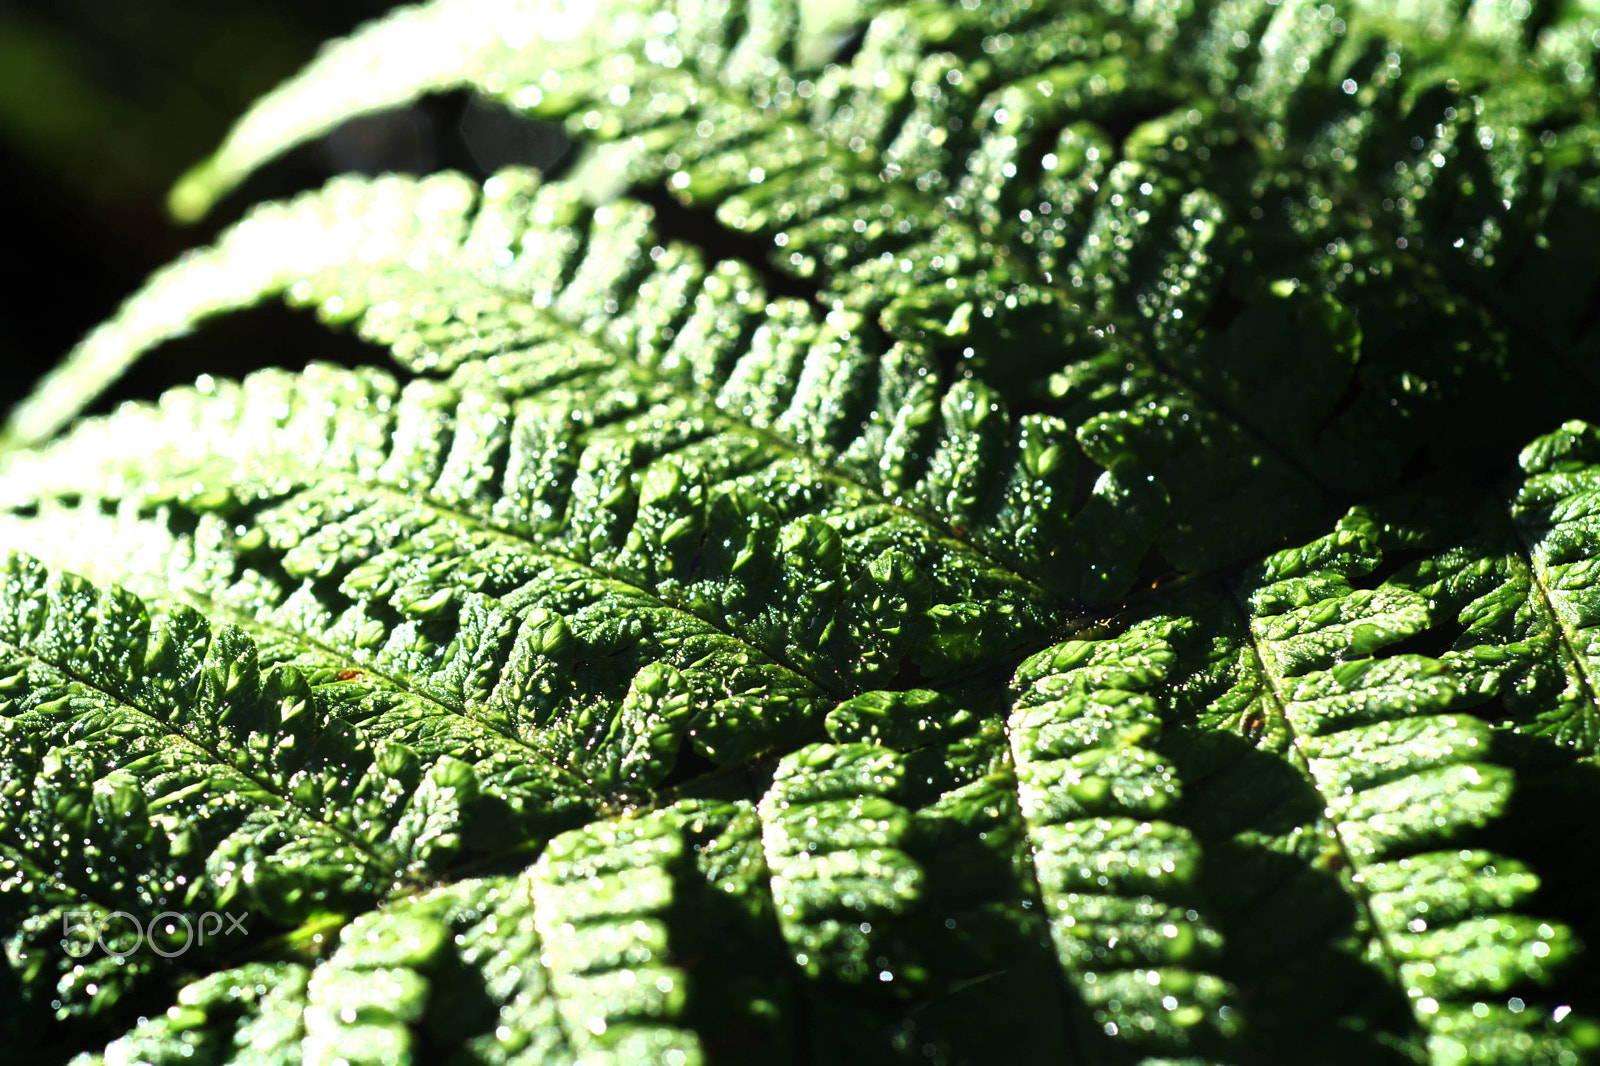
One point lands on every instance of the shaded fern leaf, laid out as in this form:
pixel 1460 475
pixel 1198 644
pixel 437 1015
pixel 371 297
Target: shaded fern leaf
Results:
pixel 1342 790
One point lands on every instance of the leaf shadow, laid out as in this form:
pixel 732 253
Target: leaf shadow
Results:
pixel 1295 934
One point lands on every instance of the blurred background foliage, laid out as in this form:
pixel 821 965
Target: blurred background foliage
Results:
pixel 104 103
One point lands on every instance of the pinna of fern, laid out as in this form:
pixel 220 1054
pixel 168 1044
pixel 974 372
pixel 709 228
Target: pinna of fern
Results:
pixel 944 526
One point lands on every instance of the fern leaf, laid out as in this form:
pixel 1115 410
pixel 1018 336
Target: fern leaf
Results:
pixel 1116 883
pixel 801 605
pixel 208 779
pixel 1347 816
pixel 533 53
pixel 1165 371
pixel 674 659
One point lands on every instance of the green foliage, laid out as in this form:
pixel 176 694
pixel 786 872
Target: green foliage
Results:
pixel 949 532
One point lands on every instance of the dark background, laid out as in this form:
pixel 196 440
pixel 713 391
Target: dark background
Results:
pixel 104 103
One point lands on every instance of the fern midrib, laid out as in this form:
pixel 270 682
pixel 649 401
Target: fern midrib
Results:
pixel 545 550
pixel 1564 634
pixel 1064 990
pixel 263 787
pixel 354 484
pixel 522 886
pixel 776 445
pixel 301 639
pixel 1353 887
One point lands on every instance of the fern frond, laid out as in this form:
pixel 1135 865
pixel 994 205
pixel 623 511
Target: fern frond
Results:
pixel 534 53
pixel 149 770
pixel 1116 818
pixel 1052 199
pixel 551 294
pixel 741 392
pixel 1117 880
pixel 682 658
pixel 1339 783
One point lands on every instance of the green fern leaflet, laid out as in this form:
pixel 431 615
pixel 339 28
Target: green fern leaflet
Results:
pixel 943 533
